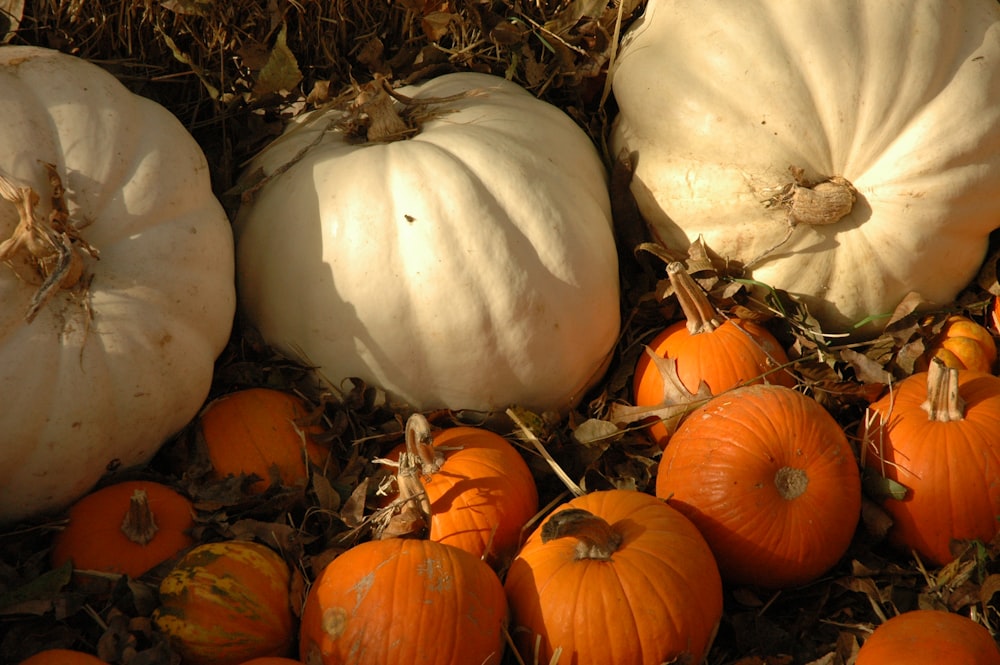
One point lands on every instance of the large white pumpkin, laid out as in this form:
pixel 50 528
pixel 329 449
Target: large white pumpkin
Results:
pixel 471 266
pixel 718 100
pixel 101 372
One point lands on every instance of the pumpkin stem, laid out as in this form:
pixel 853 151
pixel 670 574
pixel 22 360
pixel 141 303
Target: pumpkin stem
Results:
pixel 791 482
pixel 420 444
pixel 943 404
pixel 698 311
pixel 596 539
pixel 44 250
pixel 139 524
pixel 412 508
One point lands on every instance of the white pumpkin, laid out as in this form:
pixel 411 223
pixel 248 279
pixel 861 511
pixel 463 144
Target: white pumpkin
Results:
pixel 470 266
pixel 102 369
pixel 719 100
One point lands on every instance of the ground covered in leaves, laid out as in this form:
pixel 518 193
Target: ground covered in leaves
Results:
pixel 233 72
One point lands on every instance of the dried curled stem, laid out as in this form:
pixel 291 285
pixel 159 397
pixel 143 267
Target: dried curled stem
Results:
pixel 811 203
pixel 595 538
pixel 699 313
pixel 46 250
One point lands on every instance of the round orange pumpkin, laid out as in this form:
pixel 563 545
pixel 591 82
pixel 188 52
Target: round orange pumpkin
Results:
pixel 404 601
pixel 937 434
pixel 769 478
pixel 127 528
pixel 480 489
pixel 226 602
pixel 929 637
pixel 615 576
pixel 263 432
pixel 720 353
pixel 963 344
pixel 62 657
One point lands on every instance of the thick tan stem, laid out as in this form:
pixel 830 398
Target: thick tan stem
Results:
pixel 420 444
pixel 698 311
pixel 944 404
pixel 596 539
pixel 139 524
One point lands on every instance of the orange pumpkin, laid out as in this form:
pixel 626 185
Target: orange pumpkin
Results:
pixel 721 354
pixel 404 601
pixel 963 344
pixel 127 528
pixel 481 491
pixel 263 432
pixel 929 637
pixel 937 434
pixel 615 576
pixel 62 657
pixel 227 602
pixel 769 478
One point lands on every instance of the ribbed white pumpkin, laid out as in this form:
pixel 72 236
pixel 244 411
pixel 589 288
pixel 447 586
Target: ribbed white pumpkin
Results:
pixel 902 98
pixel 471 266
pixel 110 368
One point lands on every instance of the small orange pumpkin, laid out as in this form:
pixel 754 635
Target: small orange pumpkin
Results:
pixel 929 637
pixel 769 478
pixel 62 657
pixel 614 576
pixel 963 344
pixel 481 491
pixel 127 528
pixel 722 355
pixel 262 431
pixel 401 601
pixel 937 433
pixel 227 602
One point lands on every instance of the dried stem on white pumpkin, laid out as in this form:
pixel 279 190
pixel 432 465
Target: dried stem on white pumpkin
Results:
pixel 596 539
pixel 944 403
pixel 43 250
pixel 814 204
pixel 139 524
pixel 701 316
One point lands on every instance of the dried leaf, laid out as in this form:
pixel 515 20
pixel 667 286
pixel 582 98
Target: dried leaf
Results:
pixel 677 402
pixel 574 11
pixel 188 7
pixel 596 432
pixel 878 487
pixel 36 596
pixel 11 13
pixel 866 369
pixel 281 73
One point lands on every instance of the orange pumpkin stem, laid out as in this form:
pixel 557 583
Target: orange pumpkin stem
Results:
pixel 139 524
pixel 698 311
pixel 420 444
pixel 596 539
pixel 943 404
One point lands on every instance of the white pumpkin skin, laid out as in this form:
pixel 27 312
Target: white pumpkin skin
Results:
pixel 101 377
pixel 718 99
pixel 469 267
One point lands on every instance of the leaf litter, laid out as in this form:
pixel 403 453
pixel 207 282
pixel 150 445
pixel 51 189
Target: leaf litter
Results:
pixel 233 73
